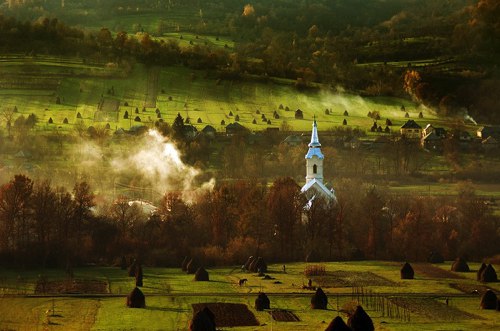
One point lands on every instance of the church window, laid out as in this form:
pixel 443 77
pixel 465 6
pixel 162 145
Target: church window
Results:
pixel 315 169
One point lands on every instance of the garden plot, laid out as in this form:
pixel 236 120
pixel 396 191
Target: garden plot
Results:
pixel 352 279
pixel 433 310
pixel 281 315
pixel 72 286
pixel 228 314
pixel 432 271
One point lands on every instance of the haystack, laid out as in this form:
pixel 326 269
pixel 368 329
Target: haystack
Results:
pixel 460 265
pixel 262 302
pixel 360 321
pixel 184 263
pixel 192 266
pixel 131 268
pixel 319 299
pixel 489 300
pixel 489 275
pixel 435 257
pixel 480 271
pixel 258 265
pixel 203 321
pixel 201 275
pixel 249 262
pixel 337 324
pixel 136 299
pixel 407 271
pixel 138 276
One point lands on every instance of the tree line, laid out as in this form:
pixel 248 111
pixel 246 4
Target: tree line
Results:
pixel 43 225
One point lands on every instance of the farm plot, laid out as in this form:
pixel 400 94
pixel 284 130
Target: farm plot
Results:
pixel 433 309
pixel 432 271
pixel 282 315
pixel 351 279
pixel 72 286
pixel 48 313
pixel 229 314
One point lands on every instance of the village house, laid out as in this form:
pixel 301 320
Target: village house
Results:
pixel 487 131
pixel 411 130
pixel 440 132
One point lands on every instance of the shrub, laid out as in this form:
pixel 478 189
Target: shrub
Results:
pixel 65 121
pixel 50 120
pixel 315 270
pixel 344 122
pixel 78 115
pixel 137 119
pixel 125 115
pixel 199 120
pixel 346 113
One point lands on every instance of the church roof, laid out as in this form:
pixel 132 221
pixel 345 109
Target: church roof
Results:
pixel 319 187
pixel 314 152
pixel 314 136
pixel 314 145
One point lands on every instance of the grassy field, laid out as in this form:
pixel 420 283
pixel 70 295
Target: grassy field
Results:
pixel 82 87
pixel 170 294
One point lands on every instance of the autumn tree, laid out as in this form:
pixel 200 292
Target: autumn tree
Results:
pixel 15 212
pixel 285 208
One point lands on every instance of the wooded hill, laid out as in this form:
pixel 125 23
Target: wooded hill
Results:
pixel 449 48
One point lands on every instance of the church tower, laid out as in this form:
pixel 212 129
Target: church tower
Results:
pixel 314 186
pixel 314 157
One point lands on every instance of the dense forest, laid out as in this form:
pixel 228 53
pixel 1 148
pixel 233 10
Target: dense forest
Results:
pixel 48 226
pixel 446 50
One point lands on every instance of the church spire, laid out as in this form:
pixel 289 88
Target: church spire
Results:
pixel 314 135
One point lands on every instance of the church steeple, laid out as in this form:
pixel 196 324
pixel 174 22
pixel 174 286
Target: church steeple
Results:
pixel 314 157
pixel 314 135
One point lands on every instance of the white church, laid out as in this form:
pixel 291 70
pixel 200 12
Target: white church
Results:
pixel 314 187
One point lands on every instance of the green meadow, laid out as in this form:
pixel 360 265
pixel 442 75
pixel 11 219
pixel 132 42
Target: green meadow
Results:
pixel 80 88
pixel 437 299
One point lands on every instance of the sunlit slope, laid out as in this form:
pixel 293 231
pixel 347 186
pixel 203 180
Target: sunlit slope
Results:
pixel 85 95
